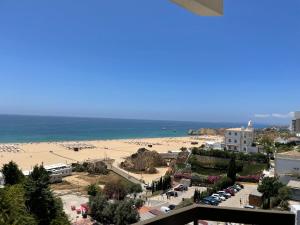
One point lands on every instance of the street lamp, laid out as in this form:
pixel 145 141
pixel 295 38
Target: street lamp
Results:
pixel 202 7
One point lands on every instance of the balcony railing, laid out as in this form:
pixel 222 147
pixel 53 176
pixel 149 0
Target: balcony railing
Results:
pixel 194 213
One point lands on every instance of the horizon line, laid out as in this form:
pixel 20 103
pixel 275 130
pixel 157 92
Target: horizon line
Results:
pixel 96 117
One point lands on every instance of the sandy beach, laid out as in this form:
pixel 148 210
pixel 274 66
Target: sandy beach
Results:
pixel 49 153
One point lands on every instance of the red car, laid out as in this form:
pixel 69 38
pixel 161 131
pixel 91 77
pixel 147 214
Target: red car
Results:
pixel 230 191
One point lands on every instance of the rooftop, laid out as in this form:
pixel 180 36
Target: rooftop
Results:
pixel 239 129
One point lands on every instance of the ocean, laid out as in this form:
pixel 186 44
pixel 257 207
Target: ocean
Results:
pixel 20 129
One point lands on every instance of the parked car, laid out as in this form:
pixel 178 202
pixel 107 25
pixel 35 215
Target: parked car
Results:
pixel 180 187
pixel 242 186
pixel 172 193
pixel 211 200
pixel 225 194
pixel 172 207
pixel 232 188
pixel 249 207
pixel 205 202
pixel 217 196
pixel 237 187
pixel 165 209
pixel 230 191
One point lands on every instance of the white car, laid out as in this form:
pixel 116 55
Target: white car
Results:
pixel 165 209
pixel 216 196
pixel 223 193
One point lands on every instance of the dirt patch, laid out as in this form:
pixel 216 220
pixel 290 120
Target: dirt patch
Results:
pixel 79 181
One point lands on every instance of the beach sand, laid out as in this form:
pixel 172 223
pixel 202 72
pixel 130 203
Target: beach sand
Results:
pixel 53 152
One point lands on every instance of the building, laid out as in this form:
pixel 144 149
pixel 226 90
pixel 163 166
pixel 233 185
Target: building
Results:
pixel 296 124
pixel 1 179
pixel 214 145
pixel 240 139
pixel 287 166
pixel 57 172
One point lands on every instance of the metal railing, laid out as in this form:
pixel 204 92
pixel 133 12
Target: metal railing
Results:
pixel 194 213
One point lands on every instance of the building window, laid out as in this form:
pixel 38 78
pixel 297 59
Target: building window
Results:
pixel 229 140
pixel 229 133
pixel 235 148
pixel 245 149
pixel 235 141
pixel 235 133
pixel 245 142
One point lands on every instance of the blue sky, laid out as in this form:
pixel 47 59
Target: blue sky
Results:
pixel 150 59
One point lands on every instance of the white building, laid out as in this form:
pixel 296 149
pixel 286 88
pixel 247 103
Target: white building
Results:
pixel 240 139
pixel 57 171
pixel 296 124
pixel 287 166
pixel 214 145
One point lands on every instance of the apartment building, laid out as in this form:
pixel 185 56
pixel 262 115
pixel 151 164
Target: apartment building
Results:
pixel 240 139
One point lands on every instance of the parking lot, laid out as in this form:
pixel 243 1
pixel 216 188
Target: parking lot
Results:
pixel 241 198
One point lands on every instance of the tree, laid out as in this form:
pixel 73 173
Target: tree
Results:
pixel 13 209
pixel 284 194
pixel 93 189
pixel 12 174
pixel 97 206
pixel 196 196
pixel 40 200
pixel 115 189
pixel 231 171
pixel 269 187
pixel 138 203
pixel 126 214
pixel 109 213
pixel 135 188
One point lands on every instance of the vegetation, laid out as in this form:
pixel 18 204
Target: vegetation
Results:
pixel 163 184
pixel 93 189
pixel 40 200
pixel 143 161
pixel 13 208
pixel 119 212
pixel 98 167
pixel 274 193
pixel 232 169
pixel 255 157
pixel 12 174
pixel 117 189
pixel 30 201
pixel 217 162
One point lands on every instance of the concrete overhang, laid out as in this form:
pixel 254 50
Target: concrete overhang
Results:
pixel 202 7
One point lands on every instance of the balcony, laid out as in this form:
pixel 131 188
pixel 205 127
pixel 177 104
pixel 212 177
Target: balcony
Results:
pixel 194 213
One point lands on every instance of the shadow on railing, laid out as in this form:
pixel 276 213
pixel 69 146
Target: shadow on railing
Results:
pixel 194 213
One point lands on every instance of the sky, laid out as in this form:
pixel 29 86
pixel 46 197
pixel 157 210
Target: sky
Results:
pixel 150 60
